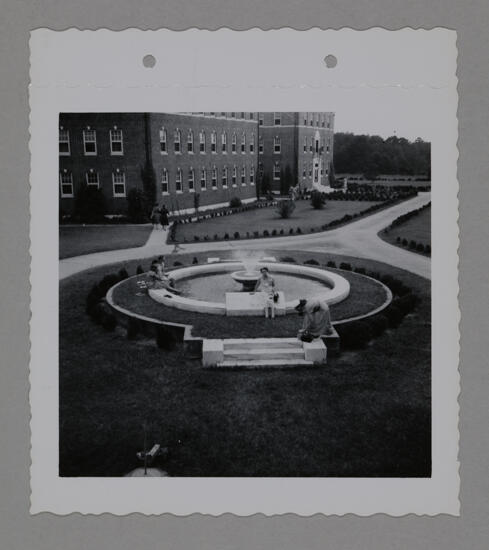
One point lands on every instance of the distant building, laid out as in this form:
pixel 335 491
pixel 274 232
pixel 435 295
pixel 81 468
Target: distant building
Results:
pixel 215 155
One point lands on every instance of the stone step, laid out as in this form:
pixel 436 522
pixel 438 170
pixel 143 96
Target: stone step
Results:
pixel 258 363
pixel 264 353
pixel 260 343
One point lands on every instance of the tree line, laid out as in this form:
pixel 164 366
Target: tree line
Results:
pixel 373 155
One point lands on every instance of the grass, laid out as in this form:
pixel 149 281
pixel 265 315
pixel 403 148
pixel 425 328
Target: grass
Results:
pixel 417 228
pixel 365 295
pixel 261 219
pixel 78 240
pixel 366 414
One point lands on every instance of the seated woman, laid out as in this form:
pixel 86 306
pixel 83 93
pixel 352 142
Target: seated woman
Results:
pixel 157 278
pixel 266 285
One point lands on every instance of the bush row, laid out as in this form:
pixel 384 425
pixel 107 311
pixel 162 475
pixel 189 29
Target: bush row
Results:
pixel 413 245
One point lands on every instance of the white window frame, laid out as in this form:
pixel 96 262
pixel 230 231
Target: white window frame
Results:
pixel 234 177
pixel 243 176
pixel 178 181
pixel 224 178
pixel 165 190
pixel 112 141
pixel 277 145
pixel 234 143
pixel 277 117
pixel 251 116
pixel 252 175
pixel 70 182
pixel 243 143
pixel 202 144
pixel 213 143
pixel 177 140
pixel 163 142
pixel 190 142
pixel 204 173
pixel 260 146
pixel 85 141
pixel 92 184
pixel 64 141
pixel 224 143
pixel 275 166
pixel 252 143
pixel 305 145
pixel 191 180
pixel 214 176
pixel 260 119
pixel 114 183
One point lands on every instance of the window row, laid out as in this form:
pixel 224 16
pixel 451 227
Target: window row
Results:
pixel 308 169
pixel 222 146
pixel 238 115
pixel 314 146
pixel 208 177
pixel 320 120
pixel 92 179
pixel 89 137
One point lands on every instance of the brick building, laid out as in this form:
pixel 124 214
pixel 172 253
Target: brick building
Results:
pixel 215 156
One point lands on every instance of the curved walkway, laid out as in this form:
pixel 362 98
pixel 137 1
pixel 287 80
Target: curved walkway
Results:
pixel 358 239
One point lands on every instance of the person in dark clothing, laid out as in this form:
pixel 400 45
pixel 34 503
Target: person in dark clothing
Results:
pixel 164 217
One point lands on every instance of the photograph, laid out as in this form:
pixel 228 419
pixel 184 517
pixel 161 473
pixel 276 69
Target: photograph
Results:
pixel 244 294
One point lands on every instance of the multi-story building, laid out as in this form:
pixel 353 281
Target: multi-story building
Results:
pixel 204 157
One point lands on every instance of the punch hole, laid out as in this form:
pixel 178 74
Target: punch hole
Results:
pixel 330 61
pixel 149 61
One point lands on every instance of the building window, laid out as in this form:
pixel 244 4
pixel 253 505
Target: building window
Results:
pixel 251 116
pixel 64 142
pixel 311 120
pixel 252 175
pixel 223 115
pixel 233 144
pixel 119 184
pixel 252 143
pixel 260 119
pixel 214 178
pixel 224 142
pixel 243 175
pixel 92 178
pixel 317 119
pixel 163 148
pixel 243 143
pixel 277 119
pixel 322 120
pixel 329 123
pixel 116 146
pixel 233 115
pixel 203 180
pixel 190 142
pixel 234 176
pixel 243 116
pixel 305 145
pixel 311 146
pixel 276 144
pixel 310 170
pixel 260 170
pixel 177 141
pixel 317 146
pixel 90 142
pixel 213 142
pixel 260 145
pixel 305 119
pixel 191 180
pixel 225 177
pixel 178 181
pixel 66 183
pixel 164 181
pixel 276 171
pixel 202 141
pixel 327 148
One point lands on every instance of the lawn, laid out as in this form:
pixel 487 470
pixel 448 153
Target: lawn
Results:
pixel 304 217
pixel 417 228
pixel 367 414
pixel 78 240
pixel 365 295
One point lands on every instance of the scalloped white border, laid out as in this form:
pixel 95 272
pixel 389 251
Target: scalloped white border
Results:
pixel 101 71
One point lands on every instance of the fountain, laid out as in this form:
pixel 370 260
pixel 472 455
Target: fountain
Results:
pixel 248 276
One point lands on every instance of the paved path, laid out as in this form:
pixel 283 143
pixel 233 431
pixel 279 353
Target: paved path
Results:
pixel 357 239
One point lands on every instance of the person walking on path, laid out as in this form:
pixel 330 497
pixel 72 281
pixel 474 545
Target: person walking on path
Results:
pixel 317 319
pixel 164 216
pixel 156 216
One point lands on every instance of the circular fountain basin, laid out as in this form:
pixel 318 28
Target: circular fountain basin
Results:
pixel 247 278
pixel 319 283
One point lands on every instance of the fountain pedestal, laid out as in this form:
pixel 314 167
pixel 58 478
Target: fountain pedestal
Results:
pixel 251 304
pixel 247 278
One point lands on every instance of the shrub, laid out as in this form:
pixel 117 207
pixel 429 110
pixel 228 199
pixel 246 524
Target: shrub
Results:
pixel 312 261
pixel 281 232
pixel 394 315
pixel 139 270
pixel 331 264
pixel 134 328
pixel 226 236
pixel 291 231
pixel 346 266
pixel 236 235
pixel 216 237
pixel 404 242
pixel 274 233
pixel 412 245
pixel 195 261
pixel 109 322
pixel 196 238
pixel 285 208
pixel 235 202
pixel 398 240
pixel 256 234
pixel 123 274
pixel 93 298
pixel 107 282
pixel 165 339
pixel 378 324
pixel 288 259
pixel 355 335
pixel 406 303
pixel 360 270
pixel 266 233
pixel 176 263
pixel 299 231
pixel 420 247
pixel 317 200
pixel 427 249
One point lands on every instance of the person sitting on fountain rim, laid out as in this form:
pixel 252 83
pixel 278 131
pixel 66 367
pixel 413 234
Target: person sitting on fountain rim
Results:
pixel 266 285
pixel 317 319
pixel 157 277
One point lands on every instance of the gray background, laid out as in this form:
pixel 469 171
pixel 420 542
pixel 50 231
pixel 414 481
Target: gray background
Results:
pixel 19 531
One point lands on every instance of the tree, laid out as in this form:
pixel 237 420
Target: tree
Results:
pixel 90 204
pixel 331 175
pixel 148 177
pixel 317 199
pixel 286 180
pixel 137 210
pixel 285 208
